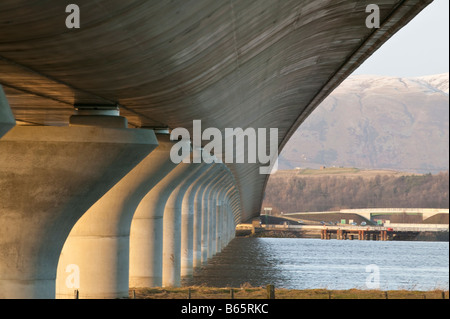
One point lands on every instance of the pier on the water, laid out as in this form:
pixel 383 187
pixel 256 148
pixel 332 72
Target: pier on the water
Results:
pixel 349 232
pixel 358 234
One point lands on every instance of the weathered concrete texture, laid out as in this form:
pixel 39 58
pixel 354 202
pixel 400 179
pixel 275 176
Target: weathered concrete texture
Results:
pixel 7 120
pixel 208 206
pixel 49 177
pixel 99 242
pixel 172 228
pixel 228 197
pixel 198 205
pixel 220 215
pixel 213 221
pixel 189 227
pixel 146 235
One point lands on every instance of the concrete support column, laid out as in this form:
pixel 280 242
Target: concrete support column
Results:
pixel 206 214
pixel 220 197
pixel 212 208
pixel 225 223
pixel 232 229
pixel 217 198
pixel 172 231
pixel 221 241
pixel 230 214
pixel 189 223
pixel 49 177
pixel 99 243
pixel 198 214
pixel 224 240
pixel 233 210
pixel 219 224
pixel 7 120
pixel 146 235
pixel 235 213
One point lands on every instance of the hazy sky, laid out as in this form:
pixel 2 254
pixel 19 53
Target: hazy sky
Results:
pixel 420 48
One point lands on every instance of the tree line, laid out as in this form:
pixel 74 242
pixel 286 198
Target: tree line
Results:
pixel 295 193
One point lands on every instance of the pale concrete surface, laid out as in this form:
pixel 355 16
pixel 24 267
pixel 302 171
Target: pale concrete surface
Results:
pixel 172 228
pixel 106 270
pixel 50 176
pixel 146 234
pixel 199 209
pixel 207 207
pixel 189 227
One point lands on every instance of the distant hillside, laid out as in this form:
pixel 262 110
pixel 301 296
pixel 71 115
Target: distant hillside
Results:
pixel 377 122
pixel 346 172
pixel 336 189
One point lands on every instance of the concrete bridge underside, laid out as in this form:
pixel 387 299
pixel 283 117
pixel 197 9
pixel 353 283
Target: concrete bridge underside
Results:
pixel 102 193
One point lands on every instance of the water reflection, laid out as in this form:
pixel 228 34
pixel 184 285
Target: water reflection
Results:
pixel 310 263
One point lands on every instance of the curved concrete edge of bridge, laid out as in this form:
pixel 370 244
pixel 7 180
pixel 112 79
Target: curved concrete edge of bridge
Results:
pixel 7 120
pixel 50 177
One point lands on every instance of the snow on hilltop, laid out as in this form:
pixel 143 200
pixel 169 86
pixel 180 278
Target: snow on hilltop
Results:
pixel 377 122
pixel 426 84
pixel 439 81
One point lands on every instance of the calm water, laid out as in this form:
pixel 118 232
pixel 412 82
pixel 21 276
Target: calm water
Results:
pixel 315 263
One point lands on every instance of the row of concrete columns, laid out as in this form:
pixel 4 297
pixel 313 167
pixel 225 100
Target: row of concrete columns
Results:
pixel 102 210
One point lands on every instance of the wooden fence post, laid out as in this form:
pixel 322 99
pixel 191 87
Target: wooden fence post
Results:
pixel 270 292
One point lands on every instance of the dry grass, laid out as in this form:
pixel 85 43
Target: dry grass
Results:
pixel 246 292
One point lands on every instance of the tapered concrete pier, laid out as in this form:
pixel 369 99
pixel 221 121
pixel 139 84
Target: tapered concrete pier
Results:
pixel 207 208
pixel 172 228
pixel 99 242
pixel 146 237
pixel 199 209
pixel 49 177
pixel 189 223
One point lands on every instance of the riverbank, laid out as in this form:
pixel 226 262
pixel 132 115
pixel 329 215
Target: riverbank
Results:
pixel 261 293
pixel 423 236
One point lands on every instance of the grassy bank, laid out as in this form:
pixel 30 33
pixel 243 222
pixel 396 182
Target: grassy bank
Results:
pixel 261 293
